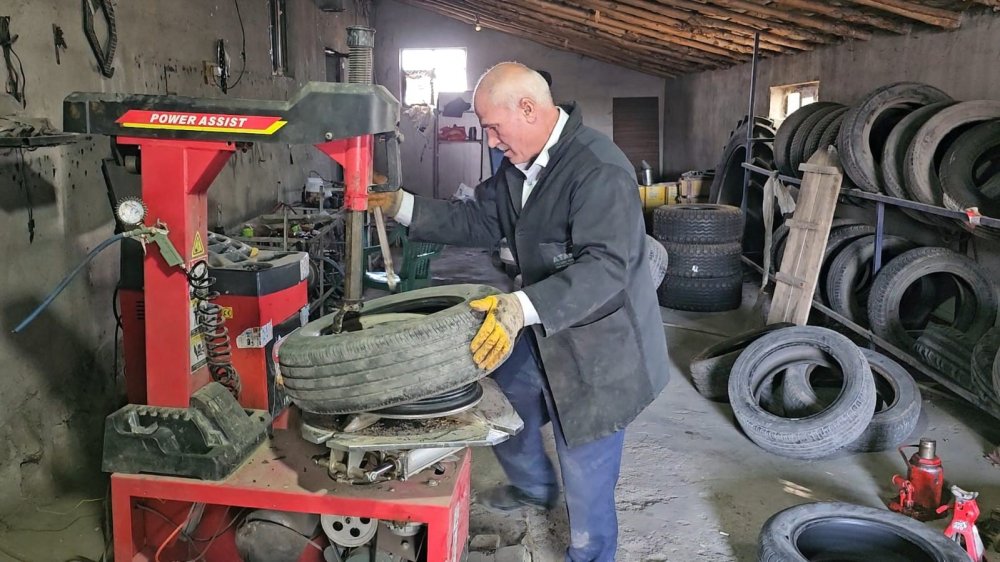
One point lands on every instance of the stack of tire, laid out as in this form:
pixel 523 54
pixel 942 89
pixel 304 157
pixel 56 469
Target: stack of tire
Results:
pixel 909 141
pixel 704 273
pixel 807 392
pixel 727 186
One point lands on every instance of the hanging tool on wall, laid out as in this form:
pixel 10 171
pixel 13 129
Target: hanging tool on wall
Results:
pixel 15 76
pixel 105 54
pixel 59 41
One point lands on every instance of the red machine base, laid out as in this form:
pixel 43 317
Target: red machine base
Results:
pixel 281 476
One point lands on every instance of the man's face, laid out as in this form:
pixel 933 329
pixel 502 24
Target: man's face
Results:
pixel 508 129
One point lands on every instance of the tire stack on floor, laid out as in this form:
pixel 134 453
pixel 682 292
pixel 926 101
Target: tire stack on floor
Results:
pixel 807 392
pixel 704 273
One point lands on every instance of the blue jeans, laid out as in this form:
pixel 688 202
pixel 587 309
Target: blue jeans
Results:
pixel 589 471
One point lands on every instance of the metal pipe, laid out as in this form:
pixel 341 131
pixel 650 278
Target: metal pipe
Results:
pixel 750 119
pixel 879 236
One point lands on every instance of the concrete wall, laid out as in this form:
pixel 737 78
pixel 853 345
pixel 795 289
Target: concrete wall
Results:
pixel 59 381
pixel 591 83
pixel 703 108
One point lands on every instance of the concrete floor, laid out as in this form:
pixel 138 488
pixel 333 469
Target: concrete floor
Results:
pixel 692 486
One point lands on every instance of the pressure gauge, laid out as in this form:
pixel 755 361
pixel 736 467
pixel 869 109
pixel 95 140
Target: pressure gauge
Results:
pixel 130 211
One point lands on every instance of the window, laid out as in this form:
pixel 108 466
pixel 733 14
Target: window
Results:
pixel 428 72
pixel 785 100
pixel 279 37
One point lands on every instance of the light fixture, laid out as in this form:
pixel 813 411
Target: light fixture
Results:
pixel 478 27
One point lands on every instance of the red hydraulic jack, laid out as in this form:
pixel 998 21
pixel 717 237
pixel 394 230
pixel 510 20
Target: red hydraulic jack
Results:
pixel 180 145
pixel 920 492
pixel 962 529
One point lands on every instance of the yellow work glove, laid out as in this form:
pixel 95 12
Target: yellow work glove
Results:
pixel 389 201
pixel 493 342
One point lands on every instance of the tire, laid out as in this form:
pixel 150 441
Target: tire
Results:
pixel 817 436
pixel 727 186
pixel 897 404
pixel 698 224
pixel 894 158
pixel 983 358
pixel 843 531
pixel 701 261
pixel 710 368
pixel 423 353
pixel 797 153
pixel 839 239
pixel 787 130
pixel 922 180
pixel 659 260
pixel 812 142
pixel 976 309
pixel 849 279
pixel 958 174
pixel 948 351
pixel 781 237
pixel 701 295
pixel 829 136
pixel 867 125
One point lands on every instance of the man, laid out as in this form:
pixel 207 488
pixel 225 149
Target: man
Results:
pixel 594 353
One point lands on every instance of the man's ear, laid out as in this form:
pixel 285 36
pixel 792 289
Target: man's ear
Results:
pixel 527 108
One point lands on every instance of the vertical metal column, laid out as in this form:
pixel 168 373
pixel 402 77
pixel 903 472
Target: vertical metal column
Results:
pixel 879 234
pixel 176 175
pixel 750 120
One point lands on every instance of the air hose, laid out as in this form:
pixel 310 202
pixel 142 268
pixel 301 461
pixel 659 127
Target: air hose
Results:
pixel 66 281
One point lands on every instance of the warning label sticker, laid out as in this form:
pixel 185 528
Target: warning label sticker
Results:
pixel 199 352
pixel 198 247
pixel 255 338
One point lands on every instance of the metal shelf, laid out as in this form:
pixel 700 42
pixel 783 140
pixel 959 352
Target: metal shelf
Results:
pixel 991 408
pixel 901 355
pixel 894 201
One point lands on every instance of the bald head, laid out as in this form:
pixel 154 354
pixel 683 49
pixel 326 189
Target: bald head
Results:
pixel 515 110
pixel 508 82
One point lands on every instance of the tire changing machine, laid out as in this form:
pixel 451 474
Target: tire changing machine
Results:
pixel 207 433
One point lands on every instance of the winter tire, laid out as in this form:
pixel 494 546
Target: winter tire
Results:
pixel 704 260
pixel 701 295
pixel 698 224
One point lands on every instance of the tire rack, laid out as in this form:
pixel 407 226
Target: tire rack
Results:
pixel 990 407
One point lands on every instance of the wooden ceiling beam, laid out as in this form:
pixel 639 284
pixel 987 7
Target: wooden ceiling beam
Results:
pixel 536 21
pixel 846 14
pixel 780 15
pixel 606 54
pixel 698 22
pixel 580 16
pixel 658 22
pixel 945 19
pixel 793 32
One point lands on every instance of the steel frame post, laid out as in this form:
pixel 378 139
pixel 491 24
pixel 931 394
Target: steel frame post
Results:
pixel 176 175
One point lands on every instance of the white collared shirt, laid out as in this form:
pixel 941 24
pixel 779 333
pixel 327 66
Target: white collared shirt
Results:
pixel 534 168
pixel 531 172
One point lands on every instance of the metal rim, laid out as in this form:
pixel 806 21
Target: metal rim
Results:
pixel 445 404
pixel 349 531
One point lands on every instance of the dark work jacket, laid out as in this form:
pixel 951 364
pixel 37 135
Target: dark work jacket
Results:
pixel 580 245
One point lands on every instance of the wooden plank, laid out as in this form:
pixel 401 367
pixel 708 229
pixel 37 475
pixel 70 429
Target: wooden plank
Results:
pixel 916 11
pixel 808 232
